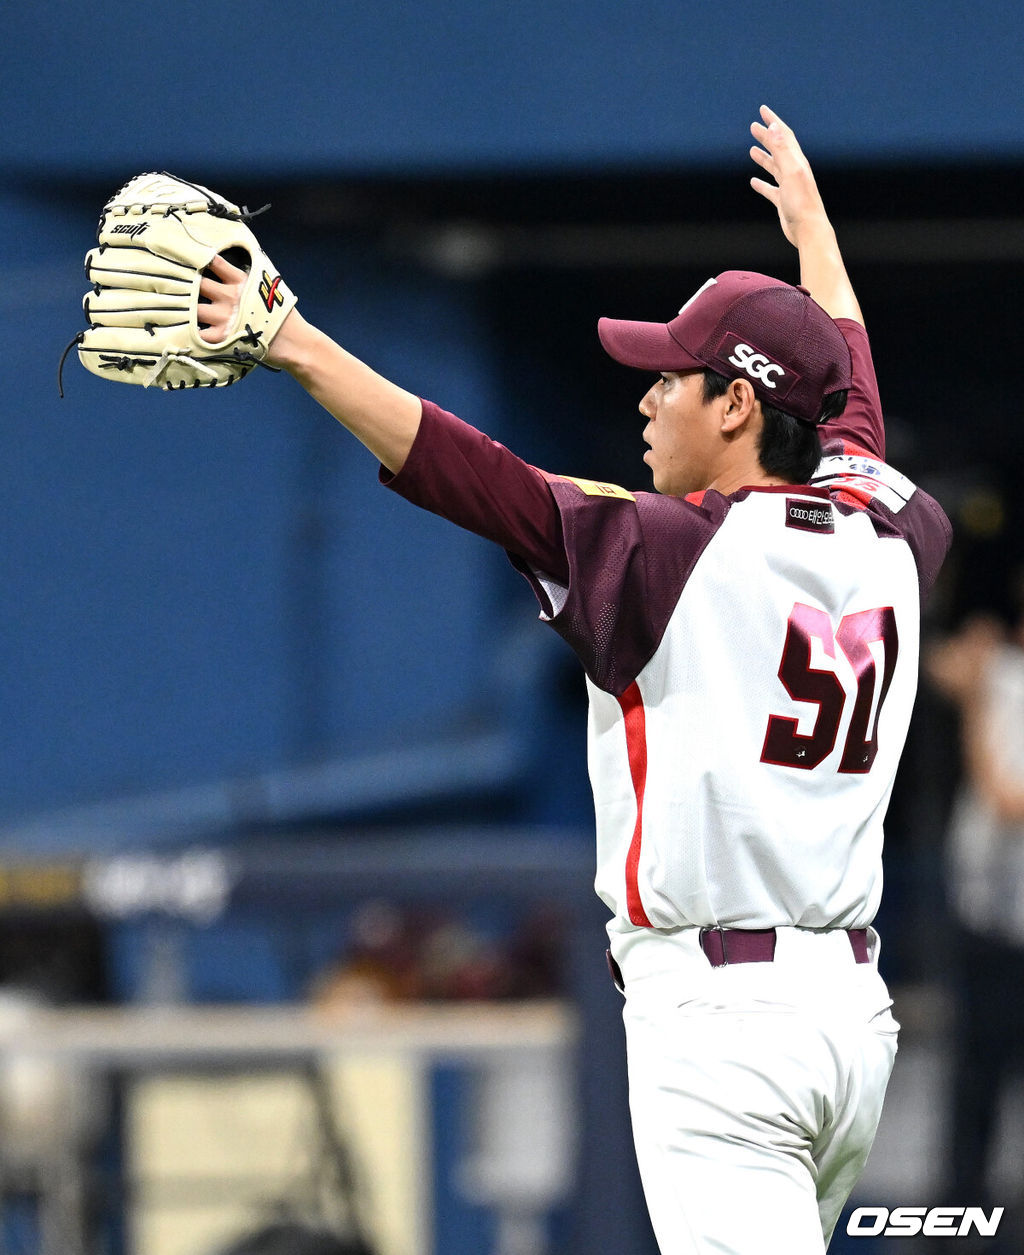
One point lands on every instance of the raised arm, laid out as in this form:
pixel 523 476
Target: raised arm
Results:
pixel 805 223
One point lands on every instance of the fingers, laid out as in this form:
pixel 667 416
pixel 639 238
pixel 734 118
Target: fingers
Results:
pixel 764 159
pixel 212 334
pixel 772 143
pixel 216 319
pixel 210 289
pixel 216 310
pixel 768 190
pixel 225 271
pixel 767 134
pixel 779 155
pixel 226 285
pixel 771 131
pixel 770 124
pixel 219 299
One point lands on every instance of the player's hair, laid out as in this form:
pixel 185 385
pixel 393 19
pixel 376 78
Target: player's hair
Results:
pixel 787 447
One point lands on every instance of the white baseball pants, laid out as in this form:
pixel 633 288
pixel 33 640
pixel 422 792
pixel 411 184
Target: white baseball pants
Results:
pixel 755 1088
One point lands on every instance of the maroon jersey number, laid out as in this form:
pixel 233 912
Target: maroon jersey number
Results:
pixel 786 747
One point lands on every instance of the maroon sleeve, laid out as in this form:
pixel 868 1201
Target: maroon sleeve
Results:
pixel 619 560
pixel 926 529
pixel 921 524
pixel 861 423
pixel 629 558
pixel 459 473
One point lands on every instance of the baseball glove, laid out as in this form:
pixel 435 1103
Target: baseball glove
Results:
pixel 156 237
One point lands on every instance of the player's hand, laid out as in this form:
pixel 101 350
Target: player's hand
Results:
pixel 219 299
pixel 794 192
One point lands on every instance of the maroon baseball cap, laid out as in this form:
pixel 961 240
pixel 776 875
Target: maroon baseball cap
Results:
pixel 749 326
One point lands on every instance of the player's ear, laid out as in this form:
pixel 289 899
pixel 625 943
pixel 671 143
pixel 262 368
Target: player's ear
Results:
pixel 738 404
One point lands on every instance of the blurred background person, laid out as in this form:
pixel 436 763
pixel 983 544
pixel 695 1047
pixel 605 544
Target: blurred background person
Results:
pixel 980 669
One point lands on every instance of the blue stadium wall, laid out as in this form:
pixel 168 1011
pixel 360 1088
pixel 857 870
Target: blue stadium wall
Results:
pixel 214 585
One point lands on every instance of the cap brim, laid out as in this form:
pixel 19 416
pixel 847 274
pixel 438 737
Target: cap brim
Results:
pixel 645 345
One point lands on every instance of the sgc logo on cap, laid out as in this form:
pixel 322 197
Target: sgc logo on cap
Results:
pixel 756 364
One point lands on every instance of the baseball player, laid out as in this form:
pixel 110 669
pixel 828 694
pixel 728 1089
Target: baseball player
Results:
pixel 749 633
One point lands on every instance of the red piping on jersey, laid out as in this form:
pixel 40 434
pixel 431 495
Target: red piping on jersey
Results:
pixel 853 496
pixel 635 721
pixel 803 490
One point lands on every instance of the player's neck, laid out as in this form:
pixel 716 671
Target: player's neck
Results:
pixel 734 478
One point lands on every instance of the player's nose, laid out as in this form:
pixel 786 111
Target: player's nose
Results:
pixel 647 405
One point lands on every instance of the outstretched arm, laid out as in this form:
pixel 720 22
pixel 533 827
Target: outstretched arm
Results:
pixel 380 414
pixel 805 223
pixel 455 471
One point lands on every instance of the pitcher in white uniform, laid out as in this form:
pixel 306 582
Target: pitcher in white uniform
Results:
pixel 749 633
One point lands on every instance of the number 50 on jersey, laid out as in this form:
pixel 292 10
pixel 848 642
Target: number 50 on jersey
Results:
pixel 867 638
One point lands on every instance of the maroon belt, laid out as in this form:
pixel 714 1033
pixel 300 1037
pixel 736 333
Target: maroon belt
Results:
pixel 743 945
pixel 723 946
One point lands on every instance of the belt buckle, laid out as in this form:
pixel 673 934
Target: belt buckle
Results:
pixel 717 928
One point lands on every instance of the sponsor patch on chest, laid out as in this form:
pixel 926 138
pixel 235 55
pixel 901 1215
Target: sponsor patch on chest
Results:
pixel 809 516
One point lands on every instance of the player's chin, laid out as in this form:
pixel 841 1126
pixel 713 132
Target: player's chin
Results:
pixel 656 475
pixel 669 485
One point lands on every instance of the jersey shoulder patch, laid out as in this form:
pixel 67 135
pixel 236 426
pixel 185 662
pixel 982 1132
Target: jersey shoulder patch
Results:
pixel 594 488
pixel 865 479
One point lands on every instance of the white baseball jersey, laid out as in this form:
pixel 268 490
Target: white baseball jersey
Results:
pixel 743 747
pixel 751 662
